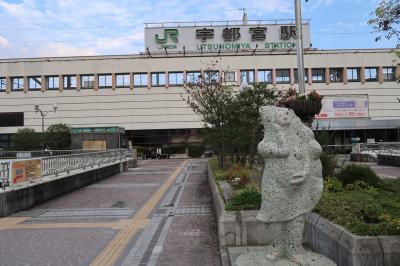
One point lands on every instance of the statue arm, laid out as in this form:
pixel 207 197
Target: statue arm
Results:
pixel 268 149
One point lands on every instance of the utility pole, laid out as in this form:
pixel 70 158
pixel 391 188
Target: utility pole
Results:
pixel 299 37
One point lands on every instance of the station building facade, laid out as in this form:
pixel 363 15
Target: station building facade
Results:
pixel 143 92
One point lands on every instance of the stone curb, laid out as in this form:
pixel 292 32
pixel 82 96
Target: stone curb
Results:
pixel 331 240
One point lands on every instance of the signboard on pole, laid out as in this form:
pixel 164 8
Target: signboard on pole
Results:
pixel 224 37
pixel 346 106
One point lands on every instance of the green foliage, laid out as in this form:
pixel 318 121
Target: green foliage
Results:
pixel 352 173
pixel 238 175
pixel 362 208
pixel 332 184
pixel 361 186
pixel 25 139
pixel 244 128
pixel 387 19
pixel 58 137
pixel 211 99
pixel 329 163
pixel 196 151
pixel 232 120
pixel 176 149
pixel 248 199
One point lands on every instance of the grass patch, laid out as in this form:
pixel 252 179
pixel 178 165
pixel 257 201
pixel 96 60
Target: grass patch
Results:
pixel 246 199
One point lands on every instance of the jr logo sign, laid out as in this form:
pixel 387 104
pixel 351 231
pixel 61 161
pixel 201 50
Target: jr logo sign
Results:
pixel 168 34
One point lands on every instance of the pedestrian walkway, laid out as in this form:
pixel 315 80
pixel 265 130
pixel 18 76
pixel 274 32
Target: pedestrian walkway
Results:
pixel 157 214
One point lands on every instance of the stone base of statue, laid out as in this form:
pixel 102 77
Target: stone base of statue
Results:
pixel 269 257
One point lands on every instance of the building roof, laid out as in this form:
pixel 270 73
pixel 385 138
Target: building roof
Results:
pixel 198 54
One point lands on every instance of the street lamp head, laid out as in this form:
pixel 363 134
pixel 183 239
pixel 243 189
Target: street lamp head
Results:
pixel 55 107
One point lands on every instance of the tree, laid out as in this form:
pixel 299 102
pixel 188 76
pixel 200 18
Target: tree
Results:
pixel 58 137
pixel 208 97
pixel 25 139
pixel 387 19
pixel 245 124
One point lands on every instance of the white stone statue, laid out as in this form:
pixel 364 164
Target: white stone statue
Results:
pixel 292 185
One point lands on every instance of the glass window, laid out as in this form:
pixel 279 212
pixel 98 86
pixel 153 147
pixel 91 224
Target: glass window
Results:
pixel 175 78
pixel 247 75
pixel 35 83
pixel 158 79
pixel 211 76
pixel 371 74
pixel 69 82
pixel 389 74
pixel 87 81
pixel 283 76
pixel 265 76
pixel 336 75
pixel 3 84
pixel 123 80
pixel 105 81
pixel 17 84
pixel 140 79
pixel 318 75
pixel 229 76
pixel 353 74
pixel 193 76
pixel 53 82
pixel 296 76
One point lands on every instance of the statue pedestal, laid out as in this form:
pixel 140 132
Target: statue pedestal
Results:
pixel 259 256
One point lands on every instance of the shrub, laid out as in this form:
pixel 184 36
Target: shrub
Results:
pixel 58 137
pixel 332 184
pixel 248 199
pixel 238 175
pixel 364 209
pixel 329 163
pixel 352 173
pixel 25 139
pixel 196 151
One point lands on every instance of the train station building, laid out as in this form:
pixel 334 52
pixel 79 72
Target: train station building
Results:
pixel 143 92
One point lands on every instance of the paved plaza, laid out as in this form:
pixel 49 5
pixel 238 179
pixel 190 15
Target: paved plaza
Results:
pixel 384 171
pixel 157 214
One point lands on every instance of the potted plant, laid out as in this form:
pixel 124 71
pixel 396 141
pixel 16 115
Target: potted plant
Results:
pixel 305 106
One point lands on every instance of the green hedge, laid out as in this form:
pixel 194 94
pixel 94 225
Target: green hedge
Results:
pixel 361 208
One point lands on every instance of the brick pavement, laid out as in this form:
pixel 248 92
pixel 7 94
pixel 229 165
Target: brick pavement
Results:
pixel 158 213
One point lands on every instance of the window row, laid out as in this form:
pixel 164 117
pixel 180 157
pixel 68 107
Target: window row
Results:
pixel 158 79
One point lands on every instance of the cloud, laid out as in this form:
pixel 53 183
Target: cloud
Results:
pixel 4 42
pixel 61 49
pixel 76 27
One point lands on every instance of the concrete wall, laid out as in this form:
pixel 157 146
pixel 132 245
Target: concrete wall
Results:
pixel 138 108
pixel 12 201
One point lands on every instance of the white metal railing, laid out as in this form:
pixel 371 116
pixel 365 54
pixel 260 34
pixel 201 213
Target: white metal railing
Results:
pixel 381 148
pixel 5 173
pixel 55 165
pixel 40 153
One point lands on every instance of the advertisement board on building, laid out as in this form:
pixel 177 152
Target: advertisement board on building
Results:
pixel 346 106
pixel 224 37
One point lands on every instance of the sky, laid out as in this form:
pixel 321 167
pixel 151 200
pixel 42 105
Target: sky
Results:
pixel 46 28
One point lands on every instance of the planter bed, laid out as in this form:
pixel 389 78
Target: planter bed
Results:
pixel 346 249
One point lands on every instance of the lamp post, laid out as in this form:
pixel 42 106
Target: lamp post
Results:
pixel 299 37
pixel 43 114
